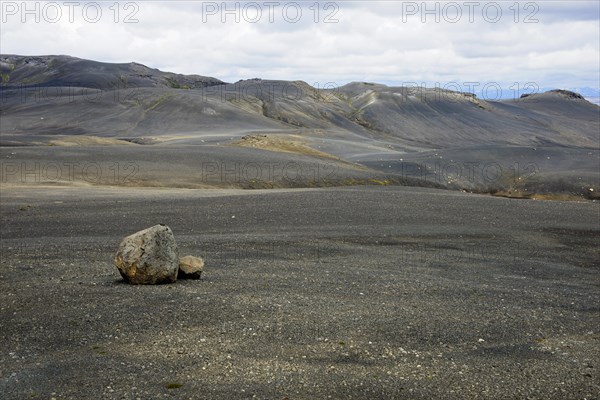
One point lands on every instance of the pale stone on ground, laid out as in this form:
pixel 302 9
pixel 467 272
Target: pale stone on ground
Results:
pixel 190 267
pixel 148 257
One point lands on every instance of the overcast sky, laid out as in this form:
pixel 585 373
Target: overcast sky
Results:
pixel 550 43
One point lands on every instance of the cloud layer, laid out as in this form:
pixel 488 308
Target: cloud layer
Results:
pixel 551 43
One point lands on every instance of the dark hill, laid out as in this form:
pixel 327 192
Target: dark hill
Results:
pixel 66 71
pixel 53 99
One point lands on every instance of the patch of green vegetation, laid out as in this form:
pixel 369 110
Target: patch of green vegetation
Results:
pixel 6 75
pixel 160 100
pixel 173 83
pixel 173 385
pixel 351 182
pixel 384 182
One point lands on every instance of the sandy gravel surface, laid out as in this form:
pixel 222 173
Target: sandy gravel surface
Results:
pixel 364 293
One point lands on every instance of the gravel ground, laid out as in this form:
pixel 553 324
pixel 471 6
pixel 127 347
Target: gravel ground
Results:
pixel 340 293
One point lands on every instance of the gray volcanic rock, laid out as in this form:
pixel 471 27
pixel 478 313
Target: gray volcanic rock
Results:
pixel 190 267
pixel 148 257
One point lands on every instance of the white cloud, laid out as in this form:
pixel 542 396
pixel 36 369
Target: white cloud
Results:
pixel 373 41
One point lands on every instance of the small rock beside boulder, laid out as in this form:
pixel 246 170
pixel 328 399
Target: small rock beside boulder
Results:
pixel 190 267
pixel 149 257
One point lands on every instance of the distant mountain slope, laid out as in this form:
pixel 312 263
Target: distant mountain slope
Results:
pixel 60 95
pixel 442 119
pixel 65 71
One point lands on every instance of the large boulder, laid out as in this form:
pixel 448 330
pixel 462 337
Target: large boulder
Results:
pixel 148 257
pixel 190 267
